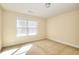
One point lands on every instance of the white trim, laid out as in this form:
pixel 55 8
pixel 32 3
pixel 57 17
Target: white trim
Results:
pixel 66 43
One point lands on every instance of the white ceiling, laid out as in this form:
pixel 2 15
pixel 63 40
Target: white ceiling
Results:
pixel 39 9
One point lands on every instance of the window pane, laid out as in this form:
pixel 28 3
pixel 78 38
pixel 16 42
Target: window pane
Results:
pixel 21 32
pixel 32 27
pixel 21 26
pixel 26 27
pixel 21 23
pixel 32 31
pixel 32 24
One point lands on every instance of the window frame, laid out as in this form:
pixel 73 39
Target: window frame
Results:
pixel 27 27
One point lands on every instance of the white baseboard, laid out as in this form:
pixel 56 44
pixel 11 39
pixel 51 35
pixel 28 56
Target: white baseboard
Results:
pixel 66 43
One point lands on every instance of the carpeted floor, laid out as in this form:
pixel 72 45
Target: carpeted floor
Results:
pixel 42 47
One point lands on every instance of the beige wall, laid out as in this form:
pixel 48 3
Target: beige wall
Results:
pixel 9 32
pixel 64 28
pixel 0 28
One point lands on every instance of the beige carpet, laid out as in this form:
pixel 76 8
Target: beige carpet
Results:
pixel 42 47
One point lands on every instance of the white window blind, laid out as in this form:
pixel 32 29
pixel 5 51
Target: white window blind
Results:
pixel 26 27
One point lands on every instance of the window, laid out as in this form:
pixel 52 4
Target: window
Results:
pixel 26 27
